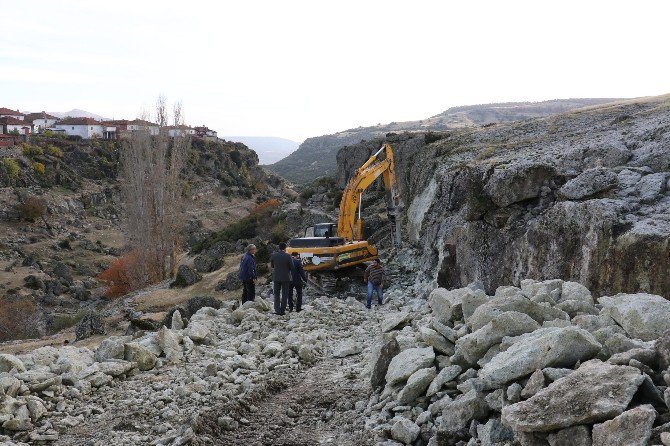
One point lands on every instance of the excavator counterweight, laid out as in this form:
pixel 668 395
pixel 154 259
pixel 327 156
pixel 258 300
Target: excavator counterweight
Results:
pixel 333 249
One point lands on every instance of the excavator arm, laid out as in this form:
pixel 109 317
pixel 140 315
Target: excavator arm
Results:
pixel 349 225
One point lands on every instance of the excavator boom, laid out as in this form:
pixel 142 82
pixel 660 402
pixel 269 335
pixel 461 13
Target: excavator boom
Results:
pixel 349 225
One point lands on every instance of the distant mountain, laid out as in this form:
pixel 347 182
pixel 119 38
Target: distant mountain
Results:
pixel 77 113
pixel 270 149
pixel 316 156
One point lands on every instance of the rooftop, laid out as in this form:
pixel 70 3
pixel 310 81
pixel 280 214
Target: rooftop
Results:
pixel 9 111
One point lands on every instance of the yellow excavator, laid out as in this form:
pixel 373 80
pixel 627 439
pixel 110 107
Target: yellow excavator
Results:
pixel 327 253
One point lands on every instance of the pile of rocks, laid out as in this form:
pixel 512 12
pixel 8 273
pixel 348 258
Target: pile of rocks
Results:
pixel 159 383
pixel 543 364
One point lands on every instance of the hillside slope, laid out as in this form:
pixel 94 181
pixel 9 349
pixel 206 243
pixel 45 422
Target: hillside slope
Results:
pixel 580 196
pixel 316 156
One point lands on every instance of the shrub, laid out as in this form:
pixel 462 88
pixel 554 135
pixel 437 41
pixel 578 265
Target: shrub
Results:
pixel 39 168
pixel 236 156
pixel 11 167
pixel 266 206
pixel 32 209
pixel 278 233
pixel 30 150
pixel 19 319
pixel 118 276
pixel 54 151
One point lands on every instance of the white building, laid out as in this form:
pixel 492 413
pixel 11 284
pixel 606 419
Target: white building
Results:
pixel 180 130
pixel 9 113
pixel 85 127
pixel 13 125
pixel 41 121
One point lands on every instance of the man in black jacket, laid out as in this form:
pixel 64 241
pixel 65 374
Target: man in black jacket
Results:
pixel 298 278
pixel 282 271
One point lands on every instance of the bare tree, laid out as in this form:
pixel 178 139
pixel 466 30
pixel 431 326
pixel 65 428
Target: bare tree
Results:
pixel 151 163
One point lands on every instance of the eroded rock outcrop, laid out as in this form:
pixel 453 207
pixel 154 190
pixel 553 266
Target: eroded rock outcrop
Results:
pixel 581 196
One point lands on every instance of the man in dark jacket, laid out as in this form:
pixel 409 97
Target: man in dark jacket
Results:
pixel 247 274
pixel 282 271
pixel 296 283
pixel 374 276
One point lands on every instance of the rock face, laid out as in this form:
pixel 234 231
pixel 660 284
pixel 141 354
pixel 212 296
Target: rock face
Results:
pixel 491 204
pixel 595 392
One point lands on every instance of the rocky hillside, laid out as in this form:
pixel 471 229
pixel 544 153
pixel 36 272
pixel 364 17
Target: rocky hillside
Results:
pixel 582 196
pixel 316 157
pixel 48 265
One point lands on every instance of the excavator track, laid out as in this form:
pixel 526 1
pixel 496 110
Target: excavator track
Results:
pixel 326 282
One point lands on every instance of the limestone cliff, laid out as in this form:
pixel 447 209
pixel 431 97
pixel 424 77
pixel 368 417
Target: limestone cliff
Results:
pixel 582 196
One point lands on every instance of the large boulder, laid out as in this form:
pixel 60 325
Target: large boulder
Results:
pixel 9 362
pixel 510 323
pixel 643 316
pixel 546 347
pixel 407 362
pixel 512 183
pixel 589 183
pixel 631 428
pixel 383 352
pixel 571 436
pixel 416 385
pixel 206 263
pixel 437 341
pixel 575 291
pixel 141 355
pixel 593 393
pixel 458 414
pixel 111 348
pixel 485 313
pixel 169 344
pixel 405 431
pixel 448 304
pixel 230 283
pixel 446 374
pixel 90 325
pixel 393 321
pixel 186 276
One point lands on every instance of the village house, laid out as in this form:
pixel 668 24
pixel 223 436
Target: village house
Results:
pixel 41 121
pixel 205 133
pixel 180 130
pixel 122 128
pixel 85 127
pixel 9 113
pixel 9 124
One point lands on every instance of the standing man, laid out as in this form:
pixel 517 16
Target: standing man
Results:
pixel 247 274
pixel 282 271
pixel 374 276
pixel 296 282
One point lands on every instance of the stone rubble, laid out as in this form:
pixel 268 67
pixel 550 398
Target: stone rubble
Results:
pixel 543 365
pixel 540 365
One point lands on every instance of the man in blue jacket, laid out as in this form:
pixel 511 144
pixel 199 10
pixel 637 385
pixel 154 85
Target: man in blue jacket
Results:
pixel 247 274
pixel 296 282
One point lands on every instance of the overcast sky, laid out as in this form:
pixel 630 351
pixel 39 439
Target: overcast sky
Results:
pixel 305 68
